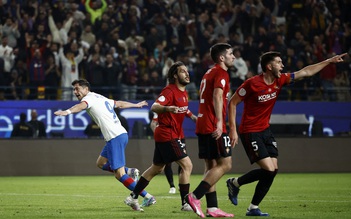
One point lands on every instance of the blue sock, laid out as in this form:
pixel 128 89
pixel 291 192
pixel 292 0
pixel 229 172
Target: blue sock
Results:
pixel 107 167
pixel 129 183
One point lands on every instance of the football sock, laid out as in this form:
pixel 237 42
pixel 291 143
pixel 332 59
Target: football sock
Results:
pixel 253 207
pixel 263 186
pixel 169 174
pixel 201 189
pixel 211 200
pixel 183 190
pixel 251 176
pixel 126 170
pixel 128 182
pixel 235 182
pixel 140 186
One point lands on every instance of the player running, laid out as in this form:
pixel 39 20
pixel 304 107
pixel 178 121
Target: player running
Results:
pixel 101 110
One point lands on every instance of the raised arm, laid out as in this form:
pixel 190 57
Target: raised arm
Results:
pixel 311 70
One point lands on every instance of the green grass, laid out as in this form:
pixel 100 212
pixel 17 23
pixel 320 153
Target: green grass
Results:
pixel 291 196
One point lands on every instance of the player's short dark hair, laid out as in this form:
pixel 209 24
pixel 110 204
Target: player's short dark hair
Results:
pixel 173 70
pixel 219 49
pixel 268 57
pixel 82 83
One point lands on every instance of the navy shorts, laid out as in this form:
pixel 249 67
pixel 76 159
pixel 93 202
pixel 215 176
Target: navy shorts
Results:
pixel 210 148
pixel 259 145
pixel 170 151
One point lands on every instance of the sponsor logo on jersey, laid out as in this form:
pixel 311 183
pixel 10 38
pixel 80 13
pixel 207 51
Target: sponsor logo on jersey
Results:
pixel 266 97
pixel 182 109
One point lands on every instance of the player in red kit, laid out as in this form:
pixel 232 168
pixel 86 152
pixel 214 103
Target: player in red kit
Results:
pixel 168 168
pixel 259 95
pixel 171 107
pixel 213 140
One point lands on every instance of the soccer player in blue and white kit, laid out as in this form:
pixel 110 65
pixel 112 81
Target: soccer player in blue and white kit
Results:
pixel 101 110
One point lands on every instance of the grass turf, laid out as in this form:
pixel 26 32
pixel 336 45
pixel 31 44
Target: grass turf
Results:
pixel 291 196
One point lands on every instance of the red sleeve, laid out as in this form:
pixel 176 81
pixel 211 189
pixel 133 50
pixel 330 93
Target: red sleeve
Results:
pixel 165 97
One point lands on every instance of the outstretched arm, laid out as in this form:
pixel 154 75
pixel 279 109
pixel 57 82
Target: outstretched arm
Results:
pixel 311 70
pixel 74 109
pixel 125 104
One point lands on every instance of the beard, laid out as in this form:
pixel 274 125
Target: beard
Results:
pixel 184 82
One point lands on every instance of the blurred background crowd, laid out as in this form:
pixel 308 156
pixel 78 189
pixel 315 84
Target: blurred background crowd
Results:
pixel 125 47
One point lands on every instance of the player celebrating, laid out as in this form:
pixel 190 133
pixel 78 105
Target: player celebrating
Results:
pixel 259 94
pixel 171 107
pixel 213 141
pixel 101 110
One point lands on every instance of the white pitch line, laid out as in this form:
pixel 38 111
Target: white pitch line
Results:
pixel 169 197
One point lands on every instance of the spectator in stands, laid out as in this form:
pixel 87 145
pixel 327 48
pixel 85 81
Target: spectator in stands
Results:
pixel 96 74
pixel 69 62
pixel 77 14
pixel 132 40
pixel 88 36
pixel 22 129
pixel 52 78
pixel 263 25
pixel 95 9
pixel 16 89
pixel 145 92
pixel 38 126
pixel 10 29
pixel 129 79
pixel 8 55
pixel 240 67
pixel 59 30
pixel 36 72
pixel 112 75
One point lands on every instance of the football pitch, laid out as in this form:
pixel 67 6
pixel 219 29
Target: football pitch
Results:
pixel 291 196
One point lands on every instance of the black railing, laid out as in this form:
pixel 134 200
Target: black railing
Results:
pixel 339 94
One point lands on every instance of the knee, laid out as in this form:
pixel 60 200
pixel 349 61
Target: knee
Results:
pixel 227 166
pixel 99 164
pixel 187 168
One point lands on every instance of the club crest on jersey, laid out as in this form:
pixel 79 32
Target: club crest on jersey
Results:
pixel 162 99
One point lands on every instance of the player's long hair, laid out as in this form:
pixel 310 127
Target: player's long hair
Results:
pixel 173 70
pixel 218 50
pixel 266 58
pixel 82 83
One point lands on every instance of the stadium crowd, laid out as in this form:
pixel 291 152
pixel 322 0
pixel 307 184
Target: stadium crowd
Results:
pixel 125 47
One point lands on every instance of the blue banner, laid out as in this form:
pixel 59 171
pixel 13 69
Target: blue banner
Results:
pixel 335 116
